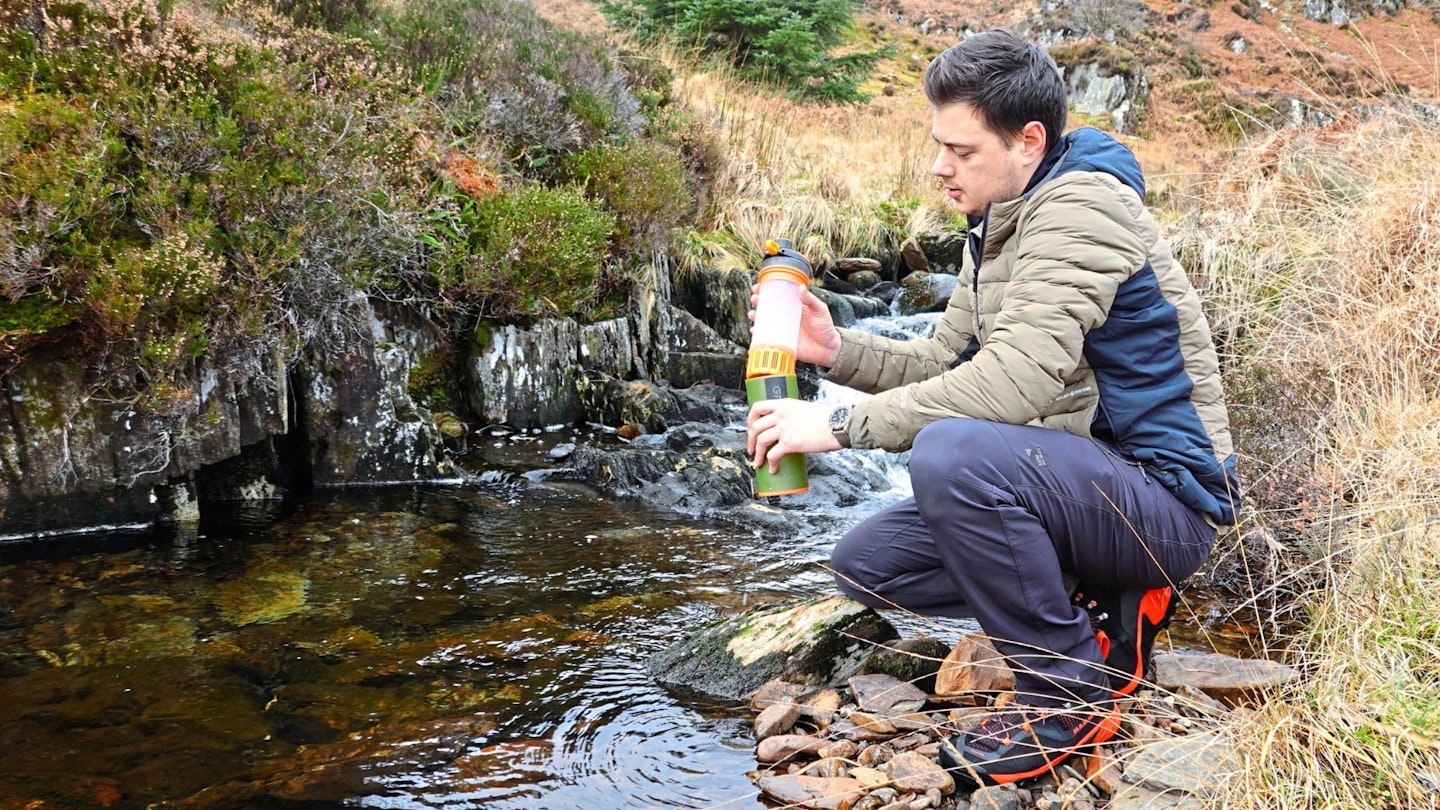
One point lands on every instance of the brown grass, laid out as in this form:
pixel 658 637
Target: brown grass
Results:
pixel 1319 256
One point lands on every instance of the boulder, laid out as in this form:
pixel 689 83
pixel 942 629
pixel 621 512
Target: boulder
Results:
pixel 944 250
pixel 929 292
pixel 813 642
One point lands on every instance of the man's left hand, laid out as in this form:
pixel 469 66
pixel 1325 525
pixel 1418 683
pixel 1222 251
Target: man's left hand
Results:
pixel 779 427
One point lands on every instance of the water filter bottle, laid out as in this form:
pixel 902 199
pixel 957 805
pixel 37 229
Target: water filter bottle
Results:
pixel 770 366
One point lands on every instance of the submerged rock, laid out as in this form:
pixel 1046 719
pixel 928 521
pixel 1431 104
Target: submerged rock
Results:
pixel 816 642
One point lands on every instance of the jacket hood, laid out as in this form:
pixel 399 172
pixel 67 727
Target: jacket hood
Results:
pixel 1089 150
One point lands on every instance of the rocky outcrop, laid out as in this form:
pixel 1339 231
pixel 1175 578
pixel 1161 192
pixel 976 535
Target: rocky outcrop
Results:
pixel 73 459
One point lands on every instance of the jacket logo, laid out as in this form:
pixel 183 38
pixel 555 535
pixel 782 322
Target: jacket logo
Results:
pixel 1036 457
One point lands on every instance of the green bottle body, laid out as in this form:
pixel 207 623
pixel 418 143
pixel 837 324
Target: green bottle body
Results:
pixel 791 478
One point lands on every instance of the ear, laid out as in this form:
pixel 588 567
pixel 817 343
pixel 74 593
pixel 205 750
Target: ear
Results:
pixel 1032 142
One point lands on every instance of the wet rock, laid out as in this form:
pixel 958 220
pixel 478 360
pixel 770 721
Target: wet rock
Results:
pixel 864 279
pixel 785 747
pixel 929 292
pixel 811 791
pixel 778 718
pixel 944 250
pixel 812 642
pixel 1220 676
pixel 1191 764
pixel 885 694
pixel 841 311
pixel 356 415
pixel 911 771
pixel 973 666
pixel 915 659
pixel 914 257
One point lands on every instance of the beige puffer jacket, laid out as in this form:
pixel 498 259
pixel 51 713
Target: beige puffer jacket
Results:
pixel 1081 321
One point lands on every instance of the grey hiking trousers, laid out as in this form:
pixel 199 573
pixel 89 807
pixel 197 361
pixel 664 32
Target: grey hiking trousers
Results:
pixel 1001 515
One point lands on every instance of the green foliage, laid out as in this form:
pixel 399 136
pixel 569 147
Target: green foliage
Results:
pixel 644 183
pixel 788 43
pixel 528 252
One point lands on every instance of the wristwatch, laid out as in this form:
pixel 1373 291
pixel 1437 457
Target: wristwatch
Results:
pixel 840 424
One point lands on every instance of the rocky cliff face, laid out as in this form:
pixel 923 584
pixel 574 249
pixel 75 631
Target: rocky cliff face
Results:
pixel 71 459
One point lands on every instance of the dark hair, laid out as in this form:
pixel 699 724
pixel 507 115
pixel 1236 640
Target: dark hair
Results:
pixel 1009 82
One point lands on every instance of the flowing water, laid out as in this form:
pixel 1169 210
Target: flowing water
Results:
pixel 471 646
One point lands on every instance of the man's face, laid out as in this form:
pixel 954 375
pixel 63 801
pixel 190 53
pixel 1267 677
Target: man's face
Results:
pixel 975 166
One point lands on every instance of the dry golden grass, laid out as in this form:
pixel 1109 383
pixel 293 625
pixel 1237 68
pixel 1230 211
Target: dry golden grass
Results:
pixel 839 181
pixel 1319 258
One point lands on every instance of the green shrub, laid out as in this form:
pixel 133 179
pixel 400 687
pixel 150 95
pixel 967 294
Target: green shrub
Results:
pixel 528 252
pixel 644 183
pixel 787 43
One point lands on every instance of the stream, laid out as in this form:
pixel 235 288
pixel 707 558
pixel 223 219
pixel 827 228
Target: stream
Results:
pixel 480 645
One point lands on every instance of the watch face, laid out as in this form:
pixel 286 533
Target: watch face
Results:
pixel 840 418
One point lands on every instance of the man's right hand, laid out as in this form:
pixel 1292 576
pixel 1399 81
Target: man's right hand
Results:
pixel 819 339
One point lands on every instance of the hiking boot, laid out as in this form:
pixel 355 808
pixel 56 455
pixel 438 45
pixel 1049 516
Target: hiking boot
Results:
pixel 1126 623
pixel 1021 742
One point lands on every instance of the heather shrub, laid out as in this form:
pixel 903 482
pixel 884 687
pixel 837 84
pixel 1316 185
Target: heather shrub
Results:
pixel 527 252
pixel 644 183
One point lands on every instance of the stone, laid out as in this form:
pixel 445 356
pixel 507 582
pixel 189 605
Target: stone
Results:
pixel 856 264
pixel 812 791
pixel 944 250
pixel 875 755
pixel 911 771
pixel 1220 676
pixel 996 797
pixel 914 256
pixel 784 747
pixel 869 777
pixel 719 298
pixel 814 642
pixel 607 347
pixel 1190 764
pixel 973 666
pixel 1103 770
pixel 778 718
pixel 842 312
pixel 930 292
pixel 864 279
pixel 915 660
pixel 840 749
pixel 885 694
pixel 776 691
pixel 872 722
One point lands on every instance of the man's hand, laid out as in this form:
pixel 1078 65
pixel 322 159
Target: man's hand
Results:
pixel 779 427
pixel 819 340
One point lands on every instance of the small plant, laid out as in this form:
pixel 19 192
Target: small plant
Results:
pixel 527 252
pixel 644 183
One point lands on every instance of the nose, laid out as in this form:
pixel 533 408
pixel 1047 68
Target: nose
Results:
pixel 942 166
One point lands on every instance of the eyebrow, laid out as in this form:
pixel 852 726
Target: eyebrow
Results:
pixel 951 144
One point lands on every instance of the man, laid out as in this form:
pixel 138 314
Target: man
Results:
pixel 1066 419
